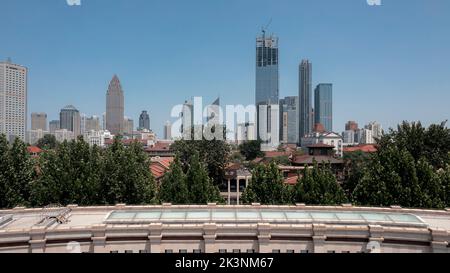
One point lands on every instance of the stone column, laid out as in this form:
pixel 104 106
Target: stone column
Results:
pixel 439 241
pixel 209 237
pixel 375 240
pixel 264 238
pixel 99 238
pixel 319 237
pixel 246 181
pixel 37 240
pixel 229 192
pixel 237 190
pixel 155 237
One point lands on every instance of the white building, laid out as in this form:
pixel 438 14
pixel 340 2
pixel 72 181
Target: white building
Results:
pixel 97 137
pixel 168 131
pixel 245 132
pixel 349 138
pixel 33 136
pixel 328 138
pixel 366 136
pixel 13 100
pixel 64 135
pixel 376 128
pixel 269 126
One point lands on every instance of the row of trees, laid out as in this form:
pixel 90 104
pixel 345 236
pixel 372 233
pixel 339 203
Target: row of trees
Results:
pixel 74 173
pixel 315 185
pixel 411 168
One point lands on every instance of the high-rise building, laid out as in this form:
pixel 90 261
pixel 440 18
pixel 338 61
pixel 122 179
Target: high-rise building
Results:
pixel 92 124
pixel 144 121
pixel 349 137
pixel 305 98
pixel 289 106
pixel 376 128
pixel 323 105
pixel 13 100
pixel 187 120
pixel 70 119
pixel 128 126
pixel 54 125
pixel 168 131
pixel 39 121
pixel 351 126
pixel 33 136
pixel 115 107
pixel 269 120
pixel 267 73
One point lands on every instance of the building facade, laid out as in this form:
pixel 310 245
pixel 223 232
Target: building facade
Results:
pixel 115 107
pixel 54 125
pixel 168 131
pixel 144 121
pixel 39 121
pixel 70 119
pixel 267 74
pixel 224 229
pixel 290 120
pixel 323 105
pixel 62 135
pixel 327 138
pixel 33 136
pixel 305 98
pixel 128 126
pixel 269 126
pixel 13 100
pixel 351 125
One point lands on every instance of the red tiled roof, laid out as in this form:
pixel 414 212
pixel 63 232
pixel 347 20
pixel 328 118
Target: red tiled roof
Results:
pixel 160 146
pixel 292 180
pixel 34 150
pixel 276 154
pixel 159 166
pixel 309 159
pixel 368 148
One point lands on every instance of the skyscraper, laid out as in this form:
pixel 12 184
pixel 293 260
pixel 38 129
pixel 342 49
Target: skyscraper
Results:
pixel 69 119
pixel 144 121
pixel 305 98
pixel 13 100
pixel 54 125
pixel 351 126
pixel 39 121
pixel 323 105
pixel 168 131
pixel 267 73
pixel 128 124
pixel 289 120
pixel 92 124
pixel 115 107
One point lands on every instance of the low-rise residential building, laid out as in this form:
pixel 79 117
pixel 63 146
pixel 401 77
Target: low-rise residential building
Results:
pixel 328 138
pixel 62 135
pixel 97 137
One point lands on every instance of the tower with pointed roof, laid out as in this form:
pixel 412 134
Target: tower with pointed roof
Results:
pixel 115 107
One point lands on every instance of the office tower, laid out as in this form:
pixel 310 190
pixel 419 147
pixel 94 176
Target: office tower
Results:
pixel 289 120
pixel 323 105
pixel 267 73
pixel 376 128
pixel 245 132
pixel 187 120
pixel 69 119
pixel 349 137
pixel 305 98
pixel 83 118
pixel 168 131
pixel 54 125
pixel 115 107
pixel 13 100
pixel 92 124
pixel 144 121
pixel 104 121
pixel 128 126
pixel 33 136
pixel 39 121
pixel 351 126
pixel 269 120
pixel 213 112
pixel 365 136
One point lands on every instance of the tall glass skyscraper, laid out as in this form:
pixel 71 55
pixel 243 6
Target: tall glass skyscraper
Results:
pixel 144 121
pixel 305 99
pixel 70 119
pixel 115 107
pixel 267 84
pixel 323 105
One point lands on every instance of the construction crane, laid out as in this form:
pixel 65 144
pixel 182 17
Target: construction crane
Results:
pixel 266 27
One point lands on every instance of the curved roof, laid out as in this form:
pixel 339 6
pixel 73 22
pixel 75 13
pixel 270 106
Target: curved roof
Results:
pixel 70 107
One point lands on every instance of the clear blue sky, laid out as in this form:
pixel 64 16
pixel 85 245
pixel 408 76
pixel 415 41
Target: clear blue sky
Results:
pixel 387 63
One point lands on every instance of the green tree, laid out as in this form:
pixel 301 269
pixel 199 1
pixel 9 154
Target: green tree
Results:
pixel 173 187
pixel 201 188
pixel 215 154
pixel 318 186
pixel 267 186
pixel 20 175
pixel 47 142
pixel 5 169
pixel 251 149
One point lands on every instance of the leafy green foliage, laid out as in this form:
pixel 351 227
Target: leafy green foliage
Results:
pixel 267 186
pixel 47 142
pixel 251 149
pixel 318 186
pixel 174 187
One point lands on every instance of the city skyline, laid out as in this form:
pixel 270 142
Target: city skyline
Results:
pixel 385 74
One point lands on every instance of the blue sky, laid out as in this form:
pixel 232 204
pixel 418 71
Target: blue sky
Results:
pixel 387 63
